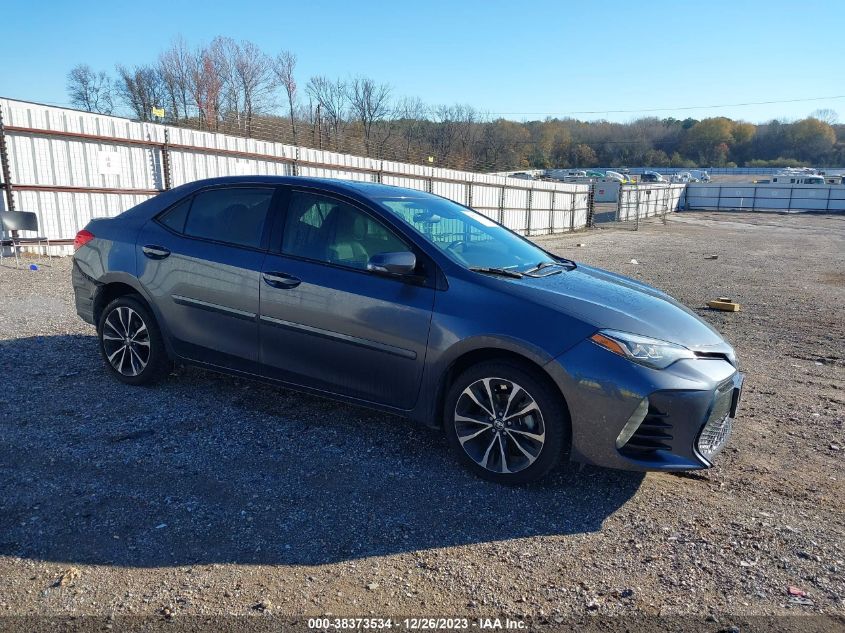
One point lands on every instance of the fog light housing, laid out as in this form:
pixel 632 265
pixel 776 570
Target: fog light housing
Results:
pixel 633 423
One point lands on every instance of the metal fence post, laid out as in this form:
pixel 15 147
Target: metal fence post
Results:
pixel 572 196
pixel 619 197
pixel 789 204
pixel 552 213
pixel 295 165
pixel 469 193
pixel 528 210
pixel 827 202
pixel 502 205
pixel 637 210
pixel 165 161
pixel 4 164
pixel 591 202
pixel 719 200
pixel 754 199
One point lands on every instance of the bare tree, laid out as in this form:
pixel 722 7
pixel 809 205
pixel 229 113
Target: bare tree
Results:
pixel 141 89
pixel 331 99
pixel 175 69
pixel 445 133
pixel 468 122
pixel 412 116
pixel 89 90
pixel 206 86
pixel 222 53
pixel 252 71
pixel 370 102
pixel 826 115
pixel 283 67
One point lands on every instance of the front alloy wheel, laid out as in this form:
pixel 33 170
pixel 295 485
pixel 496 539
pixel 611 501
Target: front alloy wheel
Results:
pixel 499 425
pixel 506 422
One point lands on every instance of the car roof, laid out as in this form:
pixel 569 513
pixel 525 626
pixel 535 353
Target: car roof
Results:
pixel 362 191
pixel 367 189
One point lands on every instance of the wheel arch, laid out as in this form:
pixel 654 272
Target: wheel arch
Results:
pixel 114 286
pixel 109 292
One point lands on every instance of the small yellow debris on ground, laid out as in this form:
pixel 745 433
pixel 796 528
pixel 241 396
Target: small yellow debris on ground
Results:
pixel 68 576
pixel 725 304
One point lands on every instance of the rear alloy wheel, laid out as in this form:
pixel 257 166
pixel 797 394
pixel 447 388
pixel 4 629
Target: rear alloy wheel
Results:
pixel 504 423
pixel 130 342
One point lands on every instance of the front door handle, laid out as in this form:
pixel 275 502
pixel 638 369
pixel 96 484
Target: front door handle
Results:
pixel 155 252
pixel 281 280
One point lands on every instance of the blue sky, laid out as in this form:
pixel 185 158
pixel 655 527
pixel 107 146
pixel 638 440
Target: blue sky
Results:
pixel 523 60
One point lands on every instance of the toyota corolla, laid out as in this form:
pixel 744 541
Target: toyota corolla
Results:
pixel 413 304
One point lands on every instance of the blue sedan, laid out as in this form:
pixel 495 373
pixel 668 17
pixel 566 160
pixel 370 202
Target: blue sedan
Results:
pixel 412 304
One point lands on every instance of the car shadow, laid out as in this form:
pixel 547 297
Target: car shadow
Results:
pixel 205 468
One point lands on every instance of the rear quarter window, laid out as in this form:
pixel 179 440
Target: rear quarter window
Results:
pixel 174 218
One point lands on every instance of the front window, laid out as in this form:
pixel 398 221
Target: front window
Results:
pixel 465 235
pixel 328 230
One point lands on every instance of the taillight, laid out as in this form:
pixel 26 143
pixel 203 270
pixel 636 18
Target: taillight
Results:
pixel 82 238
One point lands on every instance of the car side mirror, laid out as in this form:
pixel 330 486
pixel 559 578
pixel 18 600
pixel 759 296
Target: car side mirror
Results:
pixel 394 263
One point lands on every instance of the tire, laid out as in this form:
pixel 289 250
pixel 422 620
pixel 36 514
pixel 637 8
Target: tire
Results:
pixel 144 361
pixel 506 448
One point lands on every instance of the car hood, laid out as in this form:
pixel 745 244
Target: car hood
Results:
pixel 610 301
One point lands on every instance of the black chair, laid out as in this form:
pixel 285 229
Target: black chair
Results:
pixel 20 221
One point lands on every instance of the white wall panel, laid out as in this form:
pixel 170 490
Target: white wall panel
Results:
pixel 55 161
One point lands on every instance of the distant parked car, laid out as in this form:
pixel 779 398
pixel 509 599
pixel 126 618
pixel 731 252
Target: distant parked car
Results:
pixel 621 178
pixel 683 177
pixel 699 175
pixel 407 302
pixel 652 176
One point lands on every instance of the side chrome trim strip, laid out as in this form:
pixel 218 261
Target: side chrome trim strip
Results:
pixel 346 338
pixel 213 307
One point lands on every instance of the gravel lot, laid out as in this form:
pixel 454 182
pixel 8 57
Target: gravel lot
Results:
pixel 209 495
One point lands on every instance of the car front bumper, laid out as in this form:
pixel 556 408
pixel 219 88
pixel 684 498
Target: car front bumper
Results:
pixel 678 418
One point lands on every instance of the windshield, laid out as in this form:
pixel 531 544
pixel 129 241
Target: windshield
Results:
pixel 466 236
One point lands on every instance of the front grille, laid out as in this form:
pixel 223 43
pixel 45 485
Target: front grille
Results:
pixel 654 434
pixel 717 429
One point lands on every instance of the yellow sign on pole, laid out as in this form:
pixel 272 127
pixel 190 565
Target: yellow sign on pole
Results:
pixel 431 159
pixel 159 112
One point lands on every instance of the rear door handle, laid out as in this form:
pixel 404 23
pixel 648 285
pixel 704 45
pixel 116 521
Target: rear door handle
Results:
pixel 155 252
pixel 281 280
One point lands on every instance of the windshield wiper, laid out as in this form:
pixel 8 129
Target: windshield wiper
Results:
pixel 496 271
pixel 563 262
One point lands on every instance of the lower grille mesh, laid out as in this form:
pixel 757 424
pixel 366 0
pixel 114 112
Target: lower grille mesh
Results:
pixel 717 430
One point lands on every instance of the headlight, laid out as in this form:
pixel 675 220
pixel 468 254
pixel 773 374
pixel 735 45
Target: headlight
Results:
pixel 641 349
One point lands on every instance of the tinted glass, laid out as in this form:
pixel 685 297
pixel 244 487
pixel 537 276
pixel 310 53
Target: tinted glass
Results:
pixel 174 218
pixel 324 229
pixel 465 235
pixel 234 215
